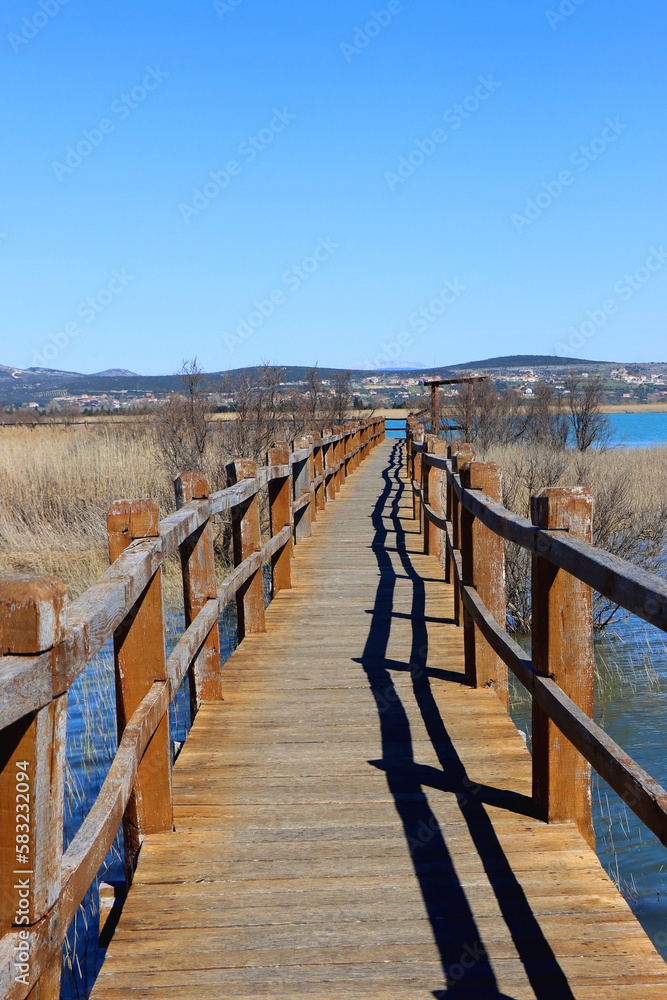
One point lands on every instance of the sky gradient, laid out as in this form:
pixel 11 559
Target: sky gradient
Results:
pixel 344 184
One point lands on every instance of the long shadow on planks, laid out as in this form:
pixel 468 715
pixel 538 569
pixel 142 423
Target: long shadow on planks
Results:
pixel 467 970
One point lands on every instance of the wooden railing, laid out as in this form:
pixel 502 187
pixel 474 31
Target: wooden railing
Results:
pixel 458 501
pixel 44 647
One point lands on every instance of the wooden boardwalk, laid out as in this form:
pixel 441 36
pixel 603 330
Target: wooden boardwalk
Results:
pixel 353 821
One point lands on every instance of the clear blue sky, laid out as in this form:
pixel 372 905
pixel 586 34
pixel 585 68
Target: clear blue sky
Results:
pixel 340 116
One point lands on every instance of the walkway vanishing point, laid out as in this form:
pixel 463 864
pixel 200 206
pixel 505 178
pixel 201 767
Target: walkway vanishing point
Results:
pixel 354 819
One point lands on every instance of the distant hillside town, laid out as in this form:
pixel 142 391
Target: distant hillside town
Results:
pixel 117 390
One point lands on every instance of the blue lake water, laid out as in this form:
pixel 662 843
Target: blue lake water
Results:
pixel 638 430
pixel 628 430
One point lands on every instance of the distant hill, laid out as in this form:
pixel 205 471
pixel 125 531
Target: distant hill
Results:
pixel 43 384
pixel 531 361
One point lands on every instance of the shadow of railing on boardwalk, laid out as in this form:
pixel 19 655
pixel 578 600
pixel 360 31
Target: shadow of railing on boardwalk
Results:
pixel 466 967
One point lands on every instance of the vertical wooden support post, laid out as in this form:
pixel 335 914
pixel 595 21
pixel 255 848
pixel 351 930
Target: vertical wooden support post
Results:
pixel 329 459
pixel 483 557
pixel 280 517
pixel 460 456
pixel 562 649
pixel 312 510
pixel 246 538
pixel 339 452
pixel 433 496
pixel 33 614
pixel 345 448
pixel 318 462
pixel 449 516
pixel 417 478
pixel 199 587
pixel 343 455
pixel 302 486
pixel 140 660
pixel 435 409
pixel 354 455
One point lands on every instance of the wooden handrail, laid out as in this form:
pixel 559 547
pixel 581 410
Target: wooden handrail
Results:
pixel 631 587
pixel 36 678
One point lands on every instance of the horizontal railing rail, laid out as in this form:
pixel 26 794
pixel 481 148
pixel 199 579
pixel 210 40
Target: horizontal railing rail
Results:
pixel 463 522
pixel 46 646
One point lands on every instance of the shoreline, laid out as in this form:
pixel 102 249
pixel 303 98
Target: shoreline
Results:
pixel 634 408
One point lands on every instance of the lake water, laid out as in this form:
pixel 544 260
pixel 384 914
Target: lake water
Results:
pixel 628 430
pixel 638 430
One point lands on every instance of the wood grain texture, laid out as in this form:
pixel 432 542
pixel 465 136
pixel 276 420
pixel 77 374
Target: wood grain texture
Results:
pixel 199 587
pixel 140 660
pixel 247 542
pixel 32 776
pixel 279 514
pixel 562 650
pixel 354 820
pixel 483 558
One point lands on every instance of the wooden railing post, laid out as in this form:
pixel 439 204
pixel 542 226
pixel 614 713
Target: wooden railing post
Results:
pixel 432 486
pixel 246 538
pixel 302 485
pixel 33 614
pixel 199 587
pixel 329 460
pixel 449 516
pixel 318 462
pixel 339 451
pixel 483 559
pixel 461 455
pixel 417 478
pixel 280 517
pixel 351 443
pixel 562 644
pixel 140 660
pixel 312 509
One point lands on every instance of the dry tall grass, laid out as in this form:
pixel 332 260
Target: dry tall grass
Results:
pixel 56 485
pixel 629 487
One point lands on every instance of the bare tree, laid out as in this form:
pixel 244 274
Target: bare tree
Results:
pixel 630 513
pixel 339 400
pixel 586 396
pixel 259 412
pixel 546 420
pixel 486 416
pixel 182 427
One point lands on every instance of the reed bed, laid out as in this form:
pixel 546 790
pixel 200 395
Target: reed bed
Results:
pixel 629 488
pixel 56 485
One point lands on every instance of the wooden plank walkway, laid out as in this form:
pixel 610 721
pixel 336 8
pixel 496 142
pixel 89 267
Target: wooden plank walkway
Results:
pixel 353 821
